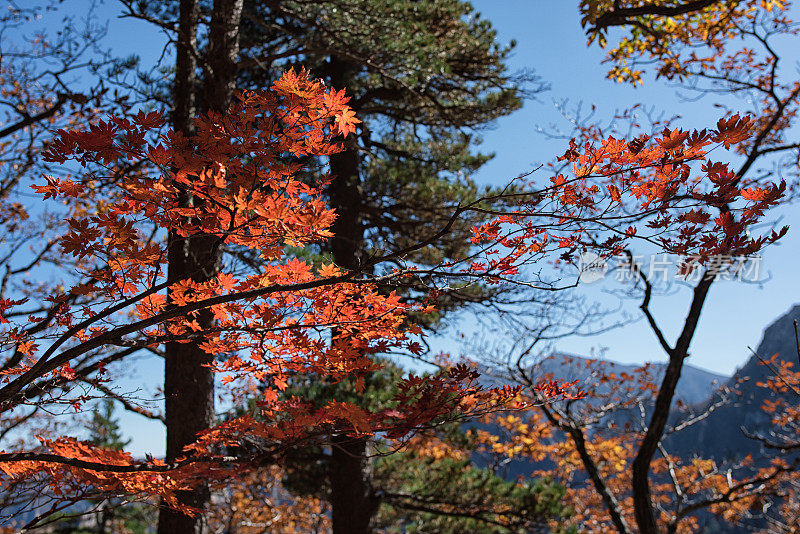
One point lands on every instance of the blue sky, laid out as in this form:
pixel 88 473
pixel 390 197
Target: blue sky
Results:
pixel 551 41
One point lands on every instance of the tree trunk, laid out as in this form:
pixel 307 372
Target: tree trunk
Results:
pixel 105 515
pixel 223 52
pixel 352 498
pixel 353 501
pixel 188 381
pixel 643 508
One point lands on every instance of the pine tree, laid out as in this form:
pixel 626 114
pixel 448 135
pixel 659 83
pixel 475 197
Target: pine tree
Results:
pixel 104 430
pixel 188 379
pixel 432 486
pixel 424 77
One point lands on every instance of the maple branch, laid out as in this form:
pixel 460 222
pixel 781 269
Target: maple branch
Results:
pixel 42 365
pixel 676 485
pixel 592 470
pixel 421 504
pixel 783 446
pixel 128 405
pixel 112 468
pixel 46 364
pixel 643 503
pixel 645 305
pixel 17 356
pixel 778 148
pixel 52 515
pixel 762 135
pixel 39 326
pixel 751 486
pixel 318 326
pixel 698 417
pixel 33 119
pixel 776 373
pixel 81 373
pixel 18 422
pixel 621 16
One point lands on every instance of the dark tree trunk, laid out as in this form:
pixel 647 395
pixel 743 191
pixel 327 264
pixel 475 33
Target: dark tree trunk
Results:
pixel 188 382
pixel 353 501
pixel 183 89
pixel 223 53
pixel 344 195
pixel 105 515
pixel 643 508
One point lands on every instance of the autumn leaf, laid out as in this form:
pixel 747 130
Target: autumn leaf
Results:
pixel 346 121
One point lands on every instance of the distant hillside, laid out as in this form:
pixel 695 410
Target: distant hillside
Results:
pixel 694 387
pixel 720 435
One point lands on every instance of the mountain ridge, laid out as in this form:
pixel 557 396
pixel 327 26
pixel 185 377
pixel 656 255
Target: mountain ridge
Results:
pixel 715 436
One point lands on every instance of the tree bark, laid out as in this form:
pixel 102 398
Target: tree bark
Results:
pixel 642 498
pixel 353 501
pixel 344 195
pixel 188 381
pixel 183 88
pixel 222 55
